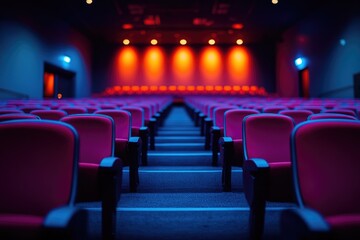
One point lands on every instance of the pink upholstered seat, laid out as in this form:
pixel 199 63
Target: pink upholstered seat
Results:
pixel 100 172
pixel 49 114
pixel 14 116
pixel 325 156
pixel 267 168
pixel 126 147
pixel 38 176
pixel 231 145
pixel 299 115
pixel 331 116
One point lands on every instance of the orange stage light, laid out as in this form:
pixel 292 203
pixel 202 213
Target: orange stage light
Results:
pixel 238 64
pixel 172 88
pixel 127 65
pixel 163 88
pixel 154 65
pixel 49 84
pixel 183 66
pixel 211 67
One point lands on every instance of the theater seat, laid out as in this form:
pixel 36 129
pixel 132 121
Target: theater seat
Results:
pixel 127 148
pixel 325 157
pixel 331 116
pixel 14 116
pixel 231 145
pixel 100 173
pixel 38 181
pixel 299 115
pixel 267 174
pixel 51 114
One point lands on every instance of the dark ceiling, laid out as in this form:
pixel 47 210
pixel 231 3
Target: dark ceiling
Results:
pixel 171 20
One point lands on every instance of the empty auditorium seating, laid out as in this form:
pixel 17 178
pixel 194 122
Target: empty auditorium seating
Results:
pixel 127 148
pixel 330 116
pixel 73 109
pixel 299 115
pixel 217 131
pixel 326 165
pixel 267 167
pixel 9 110
pixel 100 173
pixel 231 145
pixel 138 129
pixel 51 114
pixel 14 116
pixel 38 181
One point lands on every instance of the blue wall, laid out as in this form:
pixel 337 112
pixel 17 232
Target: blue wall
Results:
pixel 27 43
pixel 331 65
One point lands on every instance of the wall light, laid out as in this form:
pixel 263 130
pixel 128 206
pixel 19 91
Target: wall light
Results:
pixel 183 42
pixel 153 42
pixel 126 41
pixel 89 1
pixel 66 59
pixel 239 42
pixel 211 41
pixel 274 1
pixel 300 63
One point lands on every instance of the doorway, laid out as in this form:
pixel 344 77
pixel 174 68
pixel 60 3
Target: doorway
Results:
pixel 304 83
pixel 58 82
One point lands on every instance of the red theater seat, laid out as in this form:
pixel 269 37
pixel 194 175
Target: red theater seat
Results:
pixel 330 116
pixel 38 181
pixel 325 157
pixel 100 173
pixel 231 145
pixel 49 114
pixel 14 116
pixel 267 171
pixel 299 115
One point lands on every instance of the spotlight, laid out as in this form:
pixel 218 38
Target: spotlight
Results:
pixel 66 59
pixel 153 42
pixel 211 41
pixel 89 1
pixel 300 63
pixel 183 42
pixel 126 41
pixel 239 42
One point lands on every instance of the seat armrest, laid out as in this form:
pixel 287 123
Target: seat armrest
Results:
pixel 215 128
pixel 143 129
pixel 110 164
pixel 303 223
pixel 225 141
pixel 66 222
pixel 256 166
pixel 255 174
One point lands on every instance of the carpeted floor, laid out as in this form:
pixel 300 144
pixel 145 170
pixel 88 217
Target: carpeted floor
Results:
pixel 180 195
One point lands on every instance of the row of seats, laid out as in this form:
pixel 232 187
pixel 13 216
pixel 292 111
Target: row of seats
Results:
pixel 75 158
pixel 288 158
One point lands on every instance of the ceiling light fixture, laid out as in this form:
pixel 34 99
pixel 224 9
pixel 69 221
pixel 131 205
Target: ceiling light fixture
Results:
pixel 89 1
pixel 239 41
pixel 211 41
pixel 237 26
pixel 274 1
pixel 153 42
pixel 183 42
pixel 126 41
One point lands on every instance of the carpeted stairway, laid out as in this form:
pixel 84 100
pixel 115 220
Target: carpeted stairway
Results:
pixel 180 194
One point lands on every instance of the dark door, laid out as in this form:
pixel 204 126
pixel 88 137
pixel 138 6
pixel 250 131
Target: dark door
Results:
pixel 304 83
pixel 58 82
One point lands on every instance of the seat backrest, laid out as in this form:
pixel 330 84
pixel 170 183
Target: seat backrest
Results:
pixel 317 116
pixel 49 114
pixel 342 111
pixel 137 115
pixel 97 136
pixel 38 166
pixel 8 111
pixel 122 120
pixel 73 109
pixel 325 156
pixel 219 115
pixel 299 115
pixel 29 108
pixel 273 109
pixel 14 116
pixel 233 122
pixel 267 136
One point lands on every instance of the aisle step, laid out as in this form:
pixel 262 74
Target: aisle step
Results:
pixel 181 179
pixel 185 158
pixel 178 147
pixel 179 139
pixel 195 132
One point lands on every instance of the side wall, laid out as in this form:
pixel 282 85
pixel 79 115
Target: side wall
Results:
pixel 329 41
pixel 27 42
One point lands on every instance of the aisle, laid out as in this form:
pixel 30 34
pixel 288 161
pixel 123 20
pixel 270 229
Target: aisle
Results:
pixel 180 194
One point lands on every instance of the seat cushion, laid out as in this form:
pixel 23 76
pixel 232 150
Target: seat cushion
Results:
pixel 121 149
pixel 280 186
pixel 14 226
pixel 345 226
pixel 88 183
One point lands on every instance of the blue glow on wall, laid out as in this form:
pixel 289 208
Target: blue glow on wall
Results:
pixel 300 63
